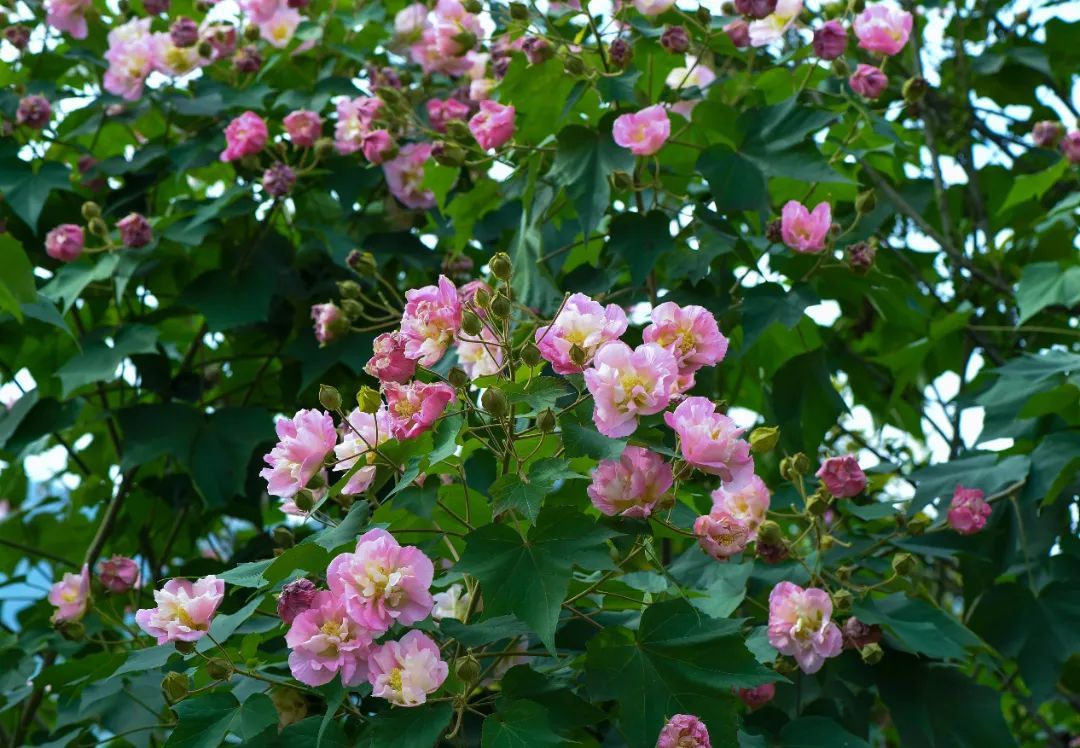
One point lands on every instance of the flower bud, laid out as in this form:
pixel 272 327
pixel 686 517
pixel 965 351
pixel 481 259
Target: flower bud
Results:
pixel 184 32
pixel 841 600
pixel 448 154
pixel 785 667
pixel 826 542
pixel 574 66
pixel 458 130
pixel 865 202
pixel 205 49
pixel 773 232
pixel 97 227
pixel 494 402
pixel 473 6
pixel 620 53
pixel 304 501
pixel 675 39
pixel 251 33
pixel 914 89
pixel 537 49
pixel 871 654
pixel 817 503
pixel 500 307
pixel 704 15
pixel 185 647
pixel 578 355
pixel 368 400
pixel 353 311
pixel 283 537
pixel 545 421
pixel 471 324
pixel 500 266
pixel 903 564
pixel 329 397
pixel 219 669
pixel 91 210
pixel 840 68
pixel 843 573
pixel 860 256
pixel 770 532
pixel 295 598
pixel 458 378
pixel 362 262
pixel 620 180
pixel 531 355
pixel 519 11
pixel 175 686
pixel 324 147
pixel 482 298
pixel 468 669
pixel 801 463
pixel 917 525
pixel 349 289
pixel 763 439
pixel 73 631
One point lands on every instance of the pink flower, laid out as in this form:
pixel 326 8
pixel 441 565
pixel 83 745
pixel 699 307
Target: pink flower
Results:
pixel 757 696
pixel 710 441
pixel 278 30
pixel 65 242
pixel 583 324
pixel 773 27
pixel 68 15
pixel 33 111
pixel 118 574
pixel 493 125
pixel 1070 146
pixel 382 583
pixel 405 176
pixel 71 596
pixel 411 20
pixel 720 535
pixel 805 231
pixel 431 320
pixel 359 437
pixel 135 230
pixel 354 120
pixel 479 356
pixel 414 407
pixel 643 132
pixel 296 597
pixel 259 11
pixel 325 641
pixel 627 383
pixel 747 502
pixel 244 136
pixel 172 60
pixel 830 40
pixel 404 672
pixel 968 511
pixel 184 609
pixel 800 624
pixel 304 127
pixel 440 112
pixel 378 146
pixel 330 322
pixel 652 7
pixel 883 28
pixel 690 333
pixel 131 56
pixel 480 89
pixel 684 731
pixel 446 39
pixel 842 476
pixel 452 603
pixel 389 362
pixel 304 441
pixel 631 486
pixel 868 81
pixel 695 74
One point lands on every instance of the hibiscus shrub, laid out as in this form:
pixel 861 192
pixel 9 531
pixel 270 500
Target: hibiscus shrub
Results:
pixel 501 374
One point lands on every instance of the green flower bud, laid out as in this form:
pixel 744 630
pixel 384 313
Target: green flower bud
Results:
pixel 448 154
pixel 841 600
pixel 458 131
pixel 763 439
pixel 283 537
pixel 468 669
pixel 519 11
pixel 219 669
pixel 871 654
pixel 324 147
pixel 482 298
pixel 73 631
pixel 91 210
pixel 353 309
pixel 531 355
pixel 176 687
pixel 574 66
pixel 349 289
pixel 840 68
pixel 471 324
pixel 368 400
pixel 330 398
pixel 770 532
pixel 917 525
pixel 545 421
pixel 817 503
pixel 865 202
pixel 205 49
pixel 500 307
pixel 185 647
pixel 620 180
pixel 801 463
pixel 844 573
pixel 98 228
pixel 304 501
pixel 704 16
pixel 903 564
pixel 458 378
pixel 494 402
pixel 251 33
pixel 826 542
pixel 915 89
pixel 578 355
pixel 362 262
pixel 500 266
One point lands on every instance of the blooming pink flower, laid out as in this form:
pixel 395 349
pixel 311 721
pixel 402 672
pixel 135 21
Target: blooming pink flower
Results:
pixel 868 81
pixel 431 320
pixel 389 362
pixel 710 441
pixel 304 127
pixel 772 28
pixel 381 582
pixel 411 20
pixel 304 441
pixel 404 672
pixel 883 28
pixel 296 597
pixel 260 11
pixel 68 15
pixel 721 535
pixel 1070 146
pixel 830 40
pixel 695 74
pixel 184 609
pixel 643 132
pixel 330 322
pixel 480 89
pixel 800 624
pixel 467 293
pixel 805 231
pixel 354 120
pixel 653 7
pixel 71 595
pixel 842 476
pixel 452 603
pixel 445 40
pixel 378 146
pixel 405 176
pixel 118 574
pixel 244 136
pixel 690 333
pixel 222 40
pixel 627 383
pixel 747 502
pixel 440 112
pixel 493 125
pixel 131 57
pixel 173 60
pixel 968 511
pixel 414 407
pixel 278 30
pixel 359 438
pixel 135 230
pixel 479 356
pixel 325 641
pixel 631 486
pixel 684 731
pixel 584 324
pixel 757 696
pixel 65 242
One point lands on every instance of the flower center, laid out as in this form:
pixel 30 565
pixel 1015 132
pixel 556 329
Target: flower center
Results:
pixel 395 679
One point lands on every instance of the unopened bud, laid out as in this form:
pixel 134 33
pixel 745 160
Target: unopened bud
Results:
pixel 494 402
pixel 500 266
pixel 368 400
pixel 871 654
pixel 826 542
pixel 500 307
pixel 205 49
pixel 283 537
pixel 917 525
pixel 362 262
pixel 675 39
pixel 465 40
pixel 801 463
pixel 763 439
pixel 841 600
pixel 482 298
pixel 349 289
pixel 574 66
pixel 704 15
pixel 531 355
pixel 840 68
pixel 817 503
pixel 784 667
pixel 91 210
pixel 458 378
pixel 324 147
pixel 330 398
pixel 914 89
pixel 219 669
pixel 175 686
pixel 774 232
pixel 468 669
pixel 448 154
pixel 620 53
pixel 251 33
pixel 770 532
pixel 353 309
pixel 71 630
pixel 843 573
pixel 620 180
pixel 471 324
pixel 304 501
pixel 98 228
pixel 185 647
pixel 458 130
pixel 865 202
pixel 903 564
pixel 546 421
pixel 519 11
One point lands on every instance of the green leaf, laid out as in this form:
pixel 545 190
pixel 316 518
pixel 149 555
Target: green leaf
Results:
pixel 678 661
pixel 1026 187
pixel 203 722
pixel 584 441
pixel 769 304
pixel 440 180
pixel 229 299
pixel 584 161
pixel 224 626
pixel 445 438
pixel 513 492
pixel 256 714
pixel 26 191
pixel 70 280
pixel 918 626
pixel 528 577
pixel 539 394
pixel 818 732
pixel 222 449
pixel 418 727
pixel 640 240
pixel 805 402
pixel 348 531
pixel 98 362
pixel 16 277
pixel 249 574
pixel 1044 284
pixel 1054 465
pixel 982 471
pixel 522 724
pixel 734 180
pixel 484 632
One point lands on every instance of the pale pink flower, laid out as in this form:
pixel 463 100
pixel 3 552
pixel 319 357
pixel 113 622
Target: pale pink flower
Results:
pixel 757 696
pixel 805 231
pixel 244 136
pixel 325 641
pixel 410 20
pixel 389 362
pixel 296 597
pixel 131 58
pixel 304 441
pixel 404 672
pixel 452 603
pixel 773 27
pixel 720 535
pixel 65 242
pixel 378 146
pixel 278 30
pixel 431 320
pixel 68 15
pixel 710 441
pixel 118 574
pixel 684 731
pixel 653 7
pixel 382 583
pixel 690 333
pixel 883 28
pixel 493 125
pixel 446 39
pixel 414 407
pixel 304 127
pixel 330 322
pixel 695 74
pixel 173 60
pixel 747 502
pixel 71 596
pixel 479 356
pixel 800 624
pixel 842 476
pixel 868 81
pixel 359 438
pixel 627 383
pixel 405 176
pixel 184 609
pixel 968 511
pixel 644 132
pixel 440 112
pixel 631 486
pixel 582 323
pixel 260 11
pixel 1070 146
pixel 480 89
pixel 355 118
